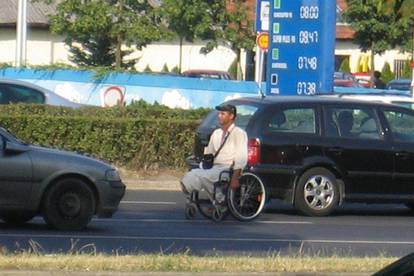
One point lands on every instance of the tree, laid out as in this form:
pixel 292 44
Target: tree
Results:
pixel 190 19
pixel 212 20
pixel 379 24
pixel 234 27
pixel 238 29
pixel 95 30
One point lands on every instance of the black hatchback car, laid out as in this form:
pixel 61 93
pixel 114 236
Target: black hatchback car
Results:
pixel 318 152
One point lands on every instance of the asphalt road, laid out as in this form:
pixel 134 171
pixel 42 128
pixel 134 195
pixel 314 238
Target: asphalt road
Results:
pixel 153 222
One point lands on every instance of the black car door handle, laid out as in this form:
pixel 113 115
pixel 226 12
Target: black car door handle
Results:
pixel 335 150
pixel 402 155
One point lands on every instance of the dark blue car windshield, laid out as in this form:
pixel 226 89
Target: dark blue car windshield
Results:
pixel 5 133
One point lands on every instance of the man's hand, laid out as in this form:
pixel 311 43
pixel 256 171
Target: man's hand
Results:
pixel 234 182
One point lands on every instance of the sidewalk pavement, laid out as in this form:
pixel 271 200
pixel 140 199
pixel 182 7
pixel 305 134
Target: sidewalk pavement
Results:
pixel 162 180
pixel 114 273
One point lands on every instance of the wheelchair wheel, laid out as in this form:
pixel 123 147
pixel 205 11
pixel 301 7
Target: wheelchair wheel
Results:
pixel 190 211
pixel 205 207
pixel 248 200
pixel 217 215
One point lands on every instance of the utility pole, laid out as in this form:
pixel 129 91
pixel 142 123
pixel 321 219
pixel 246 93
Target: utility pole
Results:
pixel 412 66
pixel 21 31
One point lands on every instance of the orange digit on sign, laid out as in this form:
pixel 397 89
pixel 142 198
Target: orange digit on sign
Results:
pixel 262 41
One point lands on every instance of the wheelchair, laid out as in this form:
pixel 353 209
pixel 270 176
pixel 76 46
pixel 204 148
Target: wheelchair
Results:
pixel 244 204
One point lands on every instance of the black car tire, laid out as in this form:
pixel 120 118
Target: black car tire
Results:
pixel 69 204
pixel 16 217
pixel 410 205
pixel 322 193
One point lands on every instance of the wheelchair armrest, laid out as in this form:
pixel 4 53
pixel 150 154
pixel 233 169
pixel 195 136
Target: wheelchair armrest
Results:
pixel 226 175
pixel 192 162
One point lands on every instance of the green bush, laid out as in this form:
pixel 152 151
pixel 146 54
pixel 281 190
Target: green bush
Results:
pixel 406 70
pixel 176 70
pixel 386 73
pixel 233 69
pixel 344 67
pixel 165 68
pixel 135 143
pixel 137 110
pixel 147 69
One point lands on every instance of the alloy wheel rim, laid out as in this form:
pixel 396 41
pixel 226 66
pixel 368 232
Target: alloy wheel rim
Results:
pixel 319 192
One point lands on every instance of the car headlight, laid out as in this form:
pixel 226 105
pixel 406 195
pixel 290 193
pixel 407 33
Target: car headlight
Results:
pixel 112 175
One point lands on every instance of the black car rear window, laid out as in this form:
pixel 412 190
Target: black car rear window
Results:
pixel 244 113
pixel 291 120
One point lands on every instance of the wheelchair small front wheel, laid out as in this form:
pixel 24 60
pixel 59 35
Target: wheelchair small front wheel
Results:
pixel 190 211
pixel 247 201
pixel 217 215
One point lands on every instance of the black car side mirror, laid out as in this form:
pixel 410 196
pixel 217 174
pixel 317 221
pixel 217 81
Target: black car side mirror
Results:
pixel 14 147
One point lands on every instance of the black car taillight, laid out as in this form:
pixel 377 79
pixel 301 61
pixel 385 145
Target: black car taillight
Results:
pixel 253 152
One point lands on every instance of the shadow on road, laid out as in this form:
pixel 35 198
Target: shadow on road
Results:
pixel 348 209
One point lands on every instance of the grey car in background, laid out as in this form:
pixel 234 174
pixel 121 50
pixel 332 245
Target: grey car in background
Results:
pixel 66 188
pixel 16 91
pixel 400 84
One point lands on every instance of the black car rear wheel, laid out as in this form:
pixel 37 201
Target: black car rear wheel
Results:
pixel 16 217
pixel 317 192
pixel 69 204
pixel 410 206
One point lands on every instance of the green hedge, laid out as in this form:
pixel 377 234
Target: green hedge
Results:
pixel 135 142
pixel 136 110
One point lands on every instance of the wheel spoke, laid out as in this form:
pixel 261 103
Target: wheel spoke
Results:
pixel 325 183
pixel 329 191
pixel 246 202
pixel 314 202
pixel 323 201
pixel 312 182
pixel 310 193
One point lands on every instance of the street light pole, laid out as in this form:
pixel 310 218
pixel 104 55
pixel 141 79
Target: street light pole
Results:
pixel 21 30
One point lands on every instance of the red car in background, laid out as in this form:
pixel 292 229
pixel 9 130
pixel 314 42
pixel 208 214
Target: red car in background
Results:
pixel 344 79
pixel 207 74
pixel 364 79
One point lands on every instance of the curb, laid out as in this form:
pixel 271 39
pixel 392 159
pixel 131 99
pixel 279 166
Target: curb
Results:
pixel 167 185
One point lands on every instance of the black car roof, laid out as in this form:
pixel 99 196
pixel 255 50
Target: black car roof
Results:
pixel 268 100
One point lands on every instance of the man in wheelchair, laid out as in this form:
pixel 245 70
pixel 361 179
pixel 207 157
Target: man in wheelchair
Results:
pixel 227 149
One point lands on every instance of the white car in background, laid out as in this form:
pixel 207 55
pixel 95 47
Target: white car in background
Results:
pixel 16 91
pixel 402 99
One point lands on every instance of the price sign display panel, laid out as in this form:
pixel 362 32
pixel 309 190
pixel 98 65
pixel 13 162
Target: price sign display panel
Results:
pixel 300 60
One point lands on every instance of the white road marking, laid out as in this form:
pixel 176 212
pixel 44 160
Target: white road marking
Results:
pixel 198 221
pixel 149 202
pixel 120 220
pixel 49 236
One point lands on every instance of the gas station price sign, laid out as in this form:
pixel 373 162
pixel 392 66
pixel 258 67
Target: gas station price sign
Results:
pixel 301 50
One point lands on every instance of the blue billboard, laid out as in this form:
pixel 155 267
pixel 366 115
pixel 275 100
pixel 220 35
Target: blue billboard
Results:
pixel 300 59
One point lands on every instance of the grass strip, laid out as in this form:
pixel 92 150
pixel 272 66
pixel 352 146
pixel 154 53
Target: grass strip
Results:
pixel 188 263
